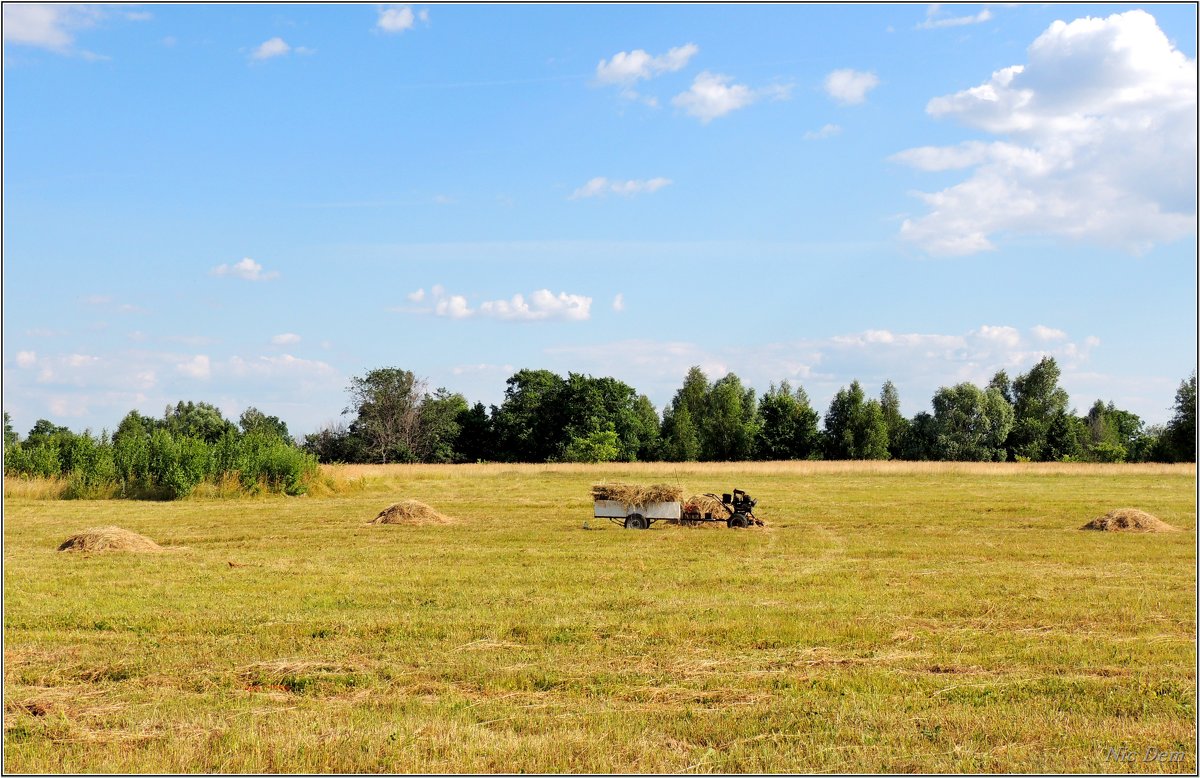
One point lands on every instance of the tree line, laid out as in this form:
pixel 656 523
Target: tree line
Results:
pixel 547 418
pixel 393 417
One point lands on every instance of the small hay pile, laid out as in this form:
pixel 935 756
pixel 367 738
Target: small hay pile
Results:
pixel 1129 520
pixel 706 503
pixel 109 539
pixel 635 494
pixel 412 513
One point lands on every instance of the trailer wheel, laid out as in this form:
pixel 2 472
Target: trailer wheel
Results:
pixel 636 521
pixel 738 521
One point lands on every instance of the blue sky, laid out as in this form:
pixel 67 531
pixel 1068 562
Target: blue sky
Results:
pixel 247 205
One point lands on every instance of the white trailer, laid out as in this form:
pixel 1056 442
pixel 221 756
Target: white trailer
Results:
pixel 637 516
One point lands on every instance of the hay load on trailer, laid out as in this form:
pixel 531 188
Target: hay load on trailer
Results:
pixel 637 507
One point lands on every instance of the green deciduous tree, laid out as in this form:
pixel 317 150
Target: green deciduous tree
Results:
pixel 255 422
pixel 198 420
pixel 10 435
pixel 1181 429
pixel 893 419
pixel 386 407
pixel 1040 432
pixel 476 436
pixel 730 423
pixel 531 422
pixel 681 419
pixel 855 427
pixel 438 426
pixel 970 424
pixel 596 446
pixel 787 427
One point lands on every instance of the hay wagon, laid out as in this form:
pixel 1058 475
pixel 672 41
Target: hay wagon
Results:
pixel 638 509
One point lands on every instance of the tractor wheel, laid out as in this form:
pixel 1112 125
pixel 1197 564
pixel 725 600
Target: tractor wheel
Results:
pixel 636 521
pixel 737 521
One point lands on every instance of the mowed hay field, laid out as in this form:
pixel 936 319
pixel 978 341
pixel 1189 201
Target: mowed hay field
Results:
pixel 892 617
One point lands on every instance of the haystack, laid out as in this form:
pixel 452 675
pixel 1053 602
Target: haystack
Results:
pixel 109 539
pixel 706 503
pixel 1129 520
pixel 636 494
pixel 411 512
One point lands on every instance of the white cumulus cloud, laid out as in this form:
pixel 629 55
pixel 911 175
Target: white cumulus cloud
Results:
pixel 1097 143
pixel 247 269
pixel 398 18
pixel 713 95
pixel 26 358
pixel 455 306
pixel 285 339
pixel 618 302
pixel 274 47
pixel 850 87
pixel 541 305
pixel 417 296
pixel 53 26
pixel 628 67
pixel 600 186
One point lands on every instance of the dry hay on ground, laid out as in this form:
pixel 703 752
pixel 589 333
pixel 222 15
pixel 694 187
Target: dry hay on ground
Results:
pixel 636 494
pixel 109 539
pixel 411 512
pixel 1128 520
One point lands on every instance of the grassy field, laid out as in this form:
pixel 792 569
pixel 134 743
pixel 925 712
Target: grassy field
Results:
pixel 892 617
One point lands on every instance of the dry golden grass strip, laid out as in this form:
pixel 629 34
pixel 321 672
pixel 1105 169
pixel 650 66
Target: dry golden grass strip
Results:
pixel 1129 520
pixel 109 539
pixel 411 512
pixel 636 494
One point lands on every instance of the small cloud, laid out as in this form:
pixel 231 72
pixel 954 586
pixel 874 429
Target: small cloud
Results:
pixel 26 358
pixel 286 339
pixel 932 22
pixel 196 367
pixel 828 131
pixel 1048 333
pixel 247 269
pixel 396 19
pixel 600 186
pixel 169 41
pixel 630 67
pixel 49 26
pixel 442 199
pixel 713 95
pixel 417 296
pixel 275 47
pixel 454 306
pixel 850 87
pixel 618 302
pixel 541 305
